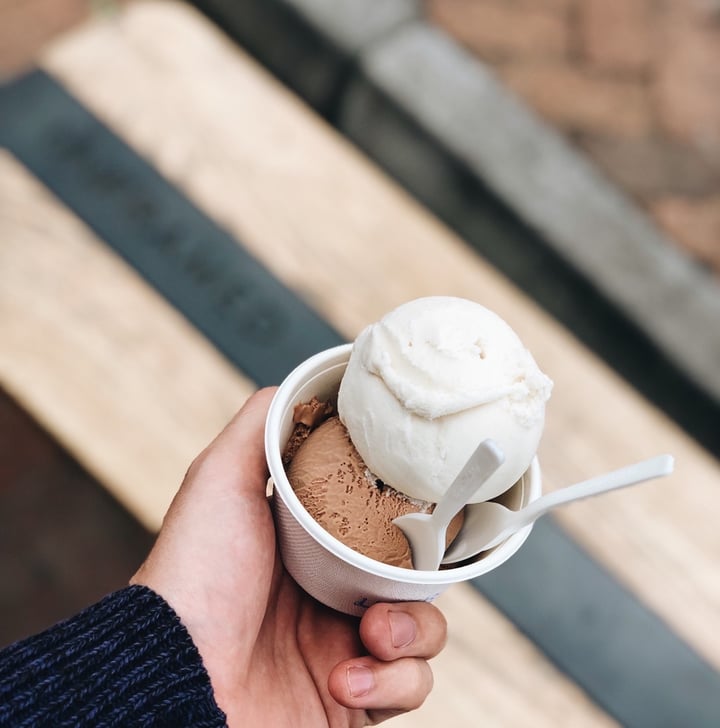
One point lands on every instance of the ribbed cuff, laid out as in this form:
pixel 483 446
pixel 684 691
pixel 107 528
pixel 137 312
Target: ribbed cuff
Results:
pixel 125 661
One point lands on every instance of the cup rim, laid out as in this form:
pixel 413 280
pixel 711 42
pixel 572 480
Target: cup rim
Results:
pixel 283 399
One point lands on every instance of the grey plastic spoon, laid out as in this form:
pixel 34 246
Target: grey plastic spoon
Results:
pixel 426 531
pixel 488 524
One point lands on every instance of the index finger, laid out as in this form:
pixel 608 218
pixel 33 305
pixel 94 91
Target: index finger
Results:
pixel 406 629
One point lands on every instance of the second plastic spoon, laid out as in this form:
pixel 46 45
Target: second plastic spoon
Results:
pixel 426 531
pixel 488 524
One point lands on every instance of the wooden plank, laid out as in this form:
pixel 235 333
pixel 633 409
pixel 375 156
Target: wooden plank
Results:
pixel 105 364
pixel 264 166
pixel 580 611
pixel 64 542
pixel 28 25
pixel 74 318
pixel 293 205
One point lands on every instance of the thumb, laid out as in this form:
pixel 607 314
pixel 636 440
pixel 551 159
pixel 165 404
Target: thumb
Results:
pixel 239 448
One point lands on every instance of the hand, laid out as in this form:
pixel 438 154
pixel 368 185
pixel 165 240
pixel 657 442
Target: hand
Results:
pixel 275 656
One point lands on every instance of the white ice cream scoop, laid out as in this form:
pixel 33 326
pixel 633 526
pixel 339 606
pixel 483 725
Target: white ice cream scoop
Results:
pixel 428 382
pixel 426 531
pixel 488 524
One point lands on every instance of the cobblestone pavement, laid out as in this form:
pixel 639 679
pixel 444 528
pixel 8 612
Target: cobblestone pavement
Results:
pixel 634 83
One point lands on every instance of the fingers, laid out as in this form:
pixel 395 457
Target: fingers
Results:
pixel 381 688
pixel 395 677
pixel 411 629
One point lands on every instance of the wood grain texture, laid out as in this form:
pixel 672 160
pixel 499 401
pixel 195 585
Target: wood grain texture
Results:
pixel 134 393
pixel 121 379
pixel 334 228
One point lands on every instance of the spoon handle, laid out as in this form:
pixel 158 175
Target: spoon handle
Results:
pixel 629 475
pixel 484 461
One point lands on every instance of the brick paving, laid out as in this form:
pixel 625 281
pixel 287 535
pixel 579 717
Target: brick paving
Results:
pixel 27 26
pixel 633 83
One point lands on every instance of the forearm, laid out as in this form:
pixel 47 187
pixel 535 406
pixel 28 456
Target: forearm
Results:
pixel 127 660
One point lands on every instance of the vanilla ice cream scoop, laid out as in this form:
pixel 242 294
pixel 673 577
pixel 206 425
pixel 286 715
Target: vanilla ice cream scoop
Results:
pixel 431 380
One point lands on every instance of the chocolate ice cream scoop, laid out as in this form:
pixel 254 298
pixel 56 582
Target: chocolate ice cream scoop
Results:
pixel 336 488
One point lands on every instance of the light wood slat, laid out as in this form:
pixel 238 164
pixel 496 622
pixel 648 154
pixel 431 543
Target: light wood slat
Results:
pixel 74 318
pixel 333 227
pixel 113 372
pixel 104 363
pixel 487 662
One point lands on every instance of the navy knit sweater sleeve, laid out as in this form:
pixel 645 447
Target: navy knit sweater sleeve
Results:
pixel 125 661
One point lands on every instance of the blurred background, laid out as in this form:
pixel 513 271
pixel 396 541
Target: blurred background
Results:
pixel 196 196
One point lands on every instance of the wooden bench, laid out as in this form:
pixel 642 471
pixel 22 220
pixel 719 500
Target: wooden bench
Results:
pixel 134 391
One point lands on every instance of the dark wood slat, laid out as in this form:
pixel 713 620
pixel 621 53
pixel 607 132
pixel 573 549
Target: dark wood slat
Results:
pixel 64 541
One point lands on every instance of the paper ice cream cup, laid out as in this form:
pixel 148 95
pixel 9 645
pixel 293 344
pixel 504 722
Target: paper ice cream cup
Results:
pixel 323 566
